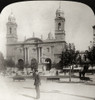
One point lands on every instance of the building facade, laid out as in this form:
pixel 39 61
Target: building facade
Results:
pixel 94 35
pixel 34 47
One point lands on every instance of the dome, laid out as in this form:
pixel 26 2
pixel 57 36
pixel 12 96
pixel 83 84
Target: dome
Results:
pixel 59 12
pixel 33 40
pixel 11 18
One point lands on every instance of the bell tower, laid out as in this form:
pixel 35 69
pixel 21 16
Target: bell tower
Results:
pixel 59 25
pixel 11 29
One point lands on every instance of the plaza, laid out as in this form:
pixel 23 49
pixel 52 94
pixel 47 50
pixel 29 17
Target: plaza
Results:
pixel 50 90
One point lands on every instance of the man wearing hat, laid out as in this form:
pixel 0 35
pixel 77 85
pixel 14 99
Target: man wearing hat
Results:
pixel 37 83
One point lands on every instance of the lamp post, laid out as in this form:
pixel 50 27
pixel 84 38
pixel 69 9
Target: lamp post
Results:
pixel 70 63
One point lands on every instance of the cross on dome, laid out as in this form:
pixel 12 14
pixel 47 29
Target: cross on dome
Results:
pixel 59 11
pixel 11 18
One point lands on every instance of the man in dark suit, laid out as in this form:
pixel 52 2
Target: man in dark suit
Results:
pixel 37 83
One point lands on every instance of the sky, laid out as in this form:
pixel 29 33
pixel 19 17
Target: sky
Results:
pixel 38 17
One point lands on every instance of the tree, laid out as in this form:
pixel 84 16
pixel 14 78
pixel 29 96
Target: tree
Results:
pixel 20 64
pixel 68 57
pixel 91 56
pixel 10 63
pixel 2 66
pixel 34 64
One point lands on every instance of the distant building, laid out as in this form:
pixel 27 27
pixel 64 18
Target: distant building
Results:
pixel 92 43
pixel 94 35
pixel 34 47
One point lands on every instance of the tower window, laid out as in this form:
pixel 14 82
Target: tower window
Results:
pixel 48 49
pixel 59 26
pixel 10 30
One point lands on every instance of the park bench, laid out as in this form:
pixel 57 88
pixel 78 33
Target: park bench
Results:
pixel 49 78
pixel 53 78
pixel 18 78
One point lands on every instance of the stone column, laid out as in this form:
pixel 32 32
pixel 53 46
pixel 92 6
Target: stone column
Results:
pixel 26 55
pixel 39 54
pixel 25 52
pixel 52 53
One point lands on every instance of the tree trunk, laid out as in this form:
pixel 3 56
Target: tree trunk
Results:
pixel 70 75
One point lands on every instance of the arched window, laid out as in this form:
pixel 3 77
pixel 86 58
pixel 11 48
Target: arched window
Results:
pixel 59 26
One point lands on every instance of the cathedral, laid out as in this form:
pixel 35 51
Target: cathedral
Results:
pixel 34 47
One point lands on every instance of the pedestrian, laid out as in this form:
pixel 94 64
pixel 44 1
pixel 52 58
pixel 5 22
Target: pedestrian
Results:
pixel 37 83
pixel 57 73
pixel 43 69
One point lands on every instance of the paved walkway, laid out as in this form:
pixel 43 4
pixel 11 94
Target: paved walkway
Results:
pixel 24 90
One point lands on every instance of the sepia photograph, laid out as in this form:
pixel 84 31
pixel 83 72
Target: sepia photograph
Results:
pixel 47 51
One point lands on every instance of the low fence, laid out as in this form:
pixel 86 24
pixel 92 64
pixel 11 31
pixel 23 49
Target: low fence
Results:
pixel 77 70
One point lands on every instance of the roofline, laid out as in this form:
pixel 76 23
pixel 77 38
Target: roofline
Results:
pixel 32 38
pixel 36 43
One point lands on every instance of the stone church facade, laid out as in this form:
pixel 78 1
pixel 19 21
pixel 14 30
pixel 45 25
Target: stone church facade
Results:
pixel 34 47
